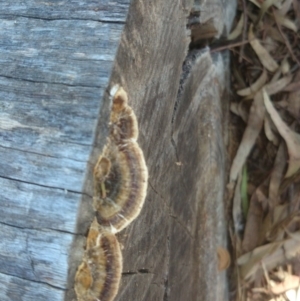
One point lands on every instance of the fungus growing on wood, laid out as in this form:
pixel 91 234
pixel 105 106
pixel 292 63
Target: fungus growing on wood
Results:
pixel 123 122
pixel 120 175
pixel 99 274
pixel 120 194
pixel 120 186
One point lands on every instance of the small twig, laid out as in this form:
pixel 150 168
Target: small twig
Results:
pixel 229 46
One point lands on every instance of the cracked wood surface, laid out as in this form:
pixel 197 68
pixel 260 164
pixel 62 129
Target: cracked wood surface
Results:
pixel 54 113
pixel 56 60
pixel 170 250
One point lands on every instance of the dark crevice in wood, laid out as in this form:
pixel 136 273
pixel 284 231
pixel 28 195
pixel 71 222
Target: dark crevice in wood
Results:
pixel 140 271
pixel 144 271
pixel 2 16
pixel 174 145
pixel 52 187
pixel 111 22
pixel 67 232
pixel 166 297
pixel 94 60
pixel 166 280
pixel 54 83
pixel 41 229
pixel 125 274
pixel 187 65
pixel 39 282
pixel 185 71
pixel 40 154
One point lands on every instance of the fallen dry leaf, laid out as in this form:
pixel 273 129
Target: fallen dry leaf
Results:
pixel 244 191
pixel 267 65
pixel 293 98
pixel 238 29
pixel 254 222
pixel 269 132
pixel 278 85
pixel 285 7
pixel 285 66
pixel 284 21
pixel 265 58
pixel 277 175
pixel 275 85
pixel 286 40
pixel 234 108
pixel 265 6
pixel 243 109
pixel 258 84
pixel 274 33
pixel 257 3
pixel 254 126
pixel 280 213
pixel 288 282
pixel 265 228
pixel 237 213
pixel 296 7
pixel 271 255
pixel 293 295
pixel 291 138
pixel 293 87
pixel 281 227
pixel 276 75
pixel 272 2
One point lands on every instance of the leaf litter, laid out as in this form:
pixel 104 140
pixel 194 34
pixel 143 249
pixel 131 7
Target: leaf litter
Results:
pixel 264 180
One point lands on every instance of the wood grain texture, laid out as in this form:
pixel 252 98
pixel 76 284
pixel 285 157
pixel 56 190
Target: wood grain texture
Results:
pixel 170 251
pixel 56 59
pixel 104 10
pixel 38 206
pixel 35 252
pixel 58 51
pixel 17 289
pixel 202 179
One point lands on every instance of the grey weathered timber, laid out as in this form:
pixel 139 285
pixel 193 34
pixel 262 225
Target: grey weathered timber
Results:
pixel 56 59
pixel 25 290
pixel 105 10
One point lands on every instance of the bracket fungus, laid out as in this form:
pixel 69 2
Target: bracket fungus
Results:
pixel 120 186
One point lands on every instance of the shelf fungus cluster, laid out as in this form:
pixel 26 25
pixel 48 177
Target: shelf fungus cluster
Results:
pixel 120 185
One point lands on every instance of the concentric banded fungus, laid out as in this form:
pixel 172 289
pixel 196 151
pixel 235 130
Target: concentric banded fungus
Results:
pixel 99 274
pixel 120 185
pixel 120 175
pixel 123 123
pixel 120 194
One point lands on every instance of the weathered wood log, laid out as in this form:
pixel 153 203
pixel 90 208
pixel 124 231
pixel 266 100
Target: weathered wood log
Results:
pixel 56 63
pixel 170 251
pixel 56 60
